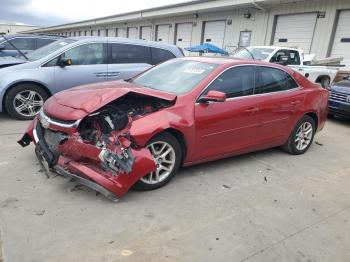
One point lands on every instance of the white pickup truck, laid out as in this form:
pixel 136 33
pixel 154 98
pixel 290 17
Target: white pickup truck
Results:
pixel 291 57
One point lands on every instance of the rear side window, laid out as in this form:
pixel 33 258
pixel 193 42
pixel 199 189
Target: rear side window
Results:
pixel 235 82
pixel 273 80
pixel 127 54
pixel 21 44
pixel 160 55
pixel 43 42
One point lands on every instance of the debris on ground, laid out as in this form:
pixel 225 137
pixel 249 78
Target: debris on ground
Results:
pixel 77 188
pixel 265 178
pixel 226 186
pixel 318 143
pixel 40 212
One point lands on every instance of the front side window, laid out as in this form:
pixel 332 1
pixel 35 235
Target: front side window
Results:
pixel 294 58
pixel 87 54
pixel 127 54
pixel 175 76
pixel 21 44
pixel 235 82
pixel 273 80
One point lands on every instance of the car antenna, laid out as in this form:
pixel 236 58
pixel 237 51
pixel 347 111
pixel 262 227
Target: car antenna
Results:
pixel 249 52
pixel 19 51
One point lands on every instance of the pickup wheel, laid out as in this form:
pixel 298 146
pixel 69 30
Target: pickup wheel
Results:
pixel 24 101
pixel 325 82
pixel 301 137
pixel 166 151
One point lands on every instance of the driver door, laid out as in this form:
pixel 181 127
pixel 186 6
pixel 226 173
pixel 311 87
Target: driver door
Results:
pixel 223 128
pixel 88 66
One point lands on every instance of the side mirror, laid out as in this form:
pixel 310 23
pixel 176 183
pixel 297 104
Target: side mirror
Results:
pixel 283 60
pixel 65 62
pixel 2 47
pixel 213 96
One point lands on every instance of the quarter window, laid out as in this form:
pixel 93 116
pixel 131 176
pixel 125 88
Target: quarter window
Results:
pixel 235 82
pixel 273 80
pixel 43 42
pixel 160 55
pixel 89 54
pixel 127 54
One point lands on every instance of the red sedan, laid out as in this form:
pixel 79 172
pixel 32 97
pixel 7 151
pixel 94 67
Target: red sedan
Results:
pixel 139 132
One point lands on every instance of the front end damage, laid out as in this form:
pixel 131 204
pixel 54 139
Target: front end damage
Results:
pixel 97 150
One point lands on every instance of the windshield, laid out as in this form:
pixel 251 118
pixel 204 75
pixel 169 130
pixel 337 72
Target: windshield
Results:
pixel 256 53
pixel 175 76
pixel 48 49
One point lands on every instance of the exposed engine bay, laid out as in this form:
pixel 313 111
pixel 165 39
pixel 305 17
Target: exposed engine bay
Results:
pixel 100 150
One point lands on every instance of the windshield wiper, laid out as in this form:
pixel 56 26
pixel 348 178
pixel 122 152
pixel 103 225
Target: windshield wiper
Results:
pixel 19 51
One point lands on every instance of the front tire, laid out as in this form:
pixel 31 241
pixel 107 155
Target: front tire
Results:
pixel 167 152
pixel 24 101
pixel 301 137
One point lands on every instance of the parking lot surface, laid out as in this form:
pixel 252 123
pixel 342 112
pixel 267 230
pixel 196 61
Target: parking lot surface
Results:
pixel 265 206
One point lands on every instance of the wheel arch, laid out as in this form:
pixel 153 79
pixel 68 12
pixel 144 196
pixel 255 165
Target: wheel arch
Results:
pixel 314 116
pixel 179 137
pixel 319 78
pixel 46 89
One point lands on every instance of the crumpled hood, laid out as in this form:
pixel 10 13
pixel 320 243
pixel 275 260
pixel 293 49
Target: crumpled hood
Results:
pixel 9 61
pixel 76 103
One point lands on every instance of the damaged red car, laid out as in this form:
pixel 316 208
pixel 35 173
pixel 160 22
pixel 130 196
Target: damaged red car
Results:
pixel 138 133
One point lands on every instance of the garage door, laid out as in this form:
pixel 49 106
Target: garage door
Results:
pixel 132 32
pixel 119 32
pixel 214 33
pixel 111 32
pixel 295 31
pixel 146 33
pixel 184 35
pixel 163 33
pixel 341 45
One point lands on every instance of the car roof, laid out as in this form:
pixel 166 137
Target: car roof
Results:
pixel 84 39
pixel 32 35
pixel 231 61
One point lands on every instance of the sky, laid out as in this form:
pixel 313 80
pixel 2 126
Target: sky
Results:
pixel 54 12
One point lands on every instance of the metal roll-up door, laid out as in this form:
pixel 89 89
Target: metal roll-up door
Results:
pixel 214 33
pixel 341 44
pixel 146 33
pixel 295 30
pixel 163 33
pixel 132 32
pixel 184 35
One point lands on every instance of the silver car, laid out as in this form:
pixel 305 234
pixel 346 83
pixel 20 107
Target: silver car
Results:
pixel 69 62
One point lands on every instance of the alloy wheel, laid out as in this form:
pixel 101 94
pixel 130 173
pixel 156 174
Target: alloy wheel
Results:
pixel 164 155
pixel 28 103
pixel 303 136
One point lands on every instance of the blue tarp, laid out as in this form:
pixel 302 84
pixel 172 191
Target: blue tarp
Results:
pixel 206 48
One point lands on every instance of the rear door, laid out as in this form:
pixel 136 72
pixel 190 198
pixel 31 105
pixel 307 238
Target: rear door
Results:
pixel 127 60
pixel 231 126
pixel 89 66
pixel 280 99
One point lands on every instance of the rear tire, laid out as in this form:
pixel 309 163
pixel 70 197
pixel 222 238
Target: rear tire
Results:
pixel 24 101
pixel 167 152
pixel 301 137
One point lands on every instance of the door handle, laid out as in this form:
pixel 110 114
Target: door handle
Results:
pixel 252 110
pixel 300 69
pixel 113 74
pixel 101 74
